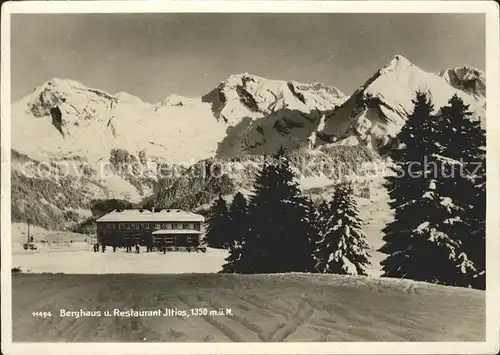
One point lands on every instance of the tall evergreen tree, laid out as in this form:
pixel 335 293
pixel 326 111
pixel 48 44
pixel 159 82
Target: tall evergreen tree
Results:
pixel 343 249
pixel 238 214
pixel 313 220
pixel 322 218
pixel 463 157
pixel 405 189
pixel 418 242
pixel 278 239
pixel 323 214
pixel 217 225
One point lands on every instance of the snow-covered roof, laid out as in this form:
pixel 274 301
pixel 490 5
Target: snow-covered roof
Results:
pixel 176 231
pixel 172 215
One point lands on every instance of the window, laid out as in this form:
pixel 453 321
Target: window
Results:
pixel 185 226
pixel 168 226
pixel 193 239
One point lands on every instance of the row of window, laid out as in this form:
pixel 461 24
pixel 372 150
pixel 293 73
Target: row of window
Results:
pixel 151 226
pixel 171 239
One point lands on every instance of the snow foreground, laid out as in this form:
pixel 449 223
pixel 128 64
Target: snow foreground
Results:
pixel 249 308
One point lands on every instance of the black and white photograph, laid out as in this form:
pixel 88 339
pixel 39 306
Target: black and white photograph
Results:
pixel 178 175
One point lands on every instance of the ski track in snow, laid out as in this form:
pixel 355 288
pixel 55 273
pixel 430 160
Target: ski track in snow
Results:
pixel 268 308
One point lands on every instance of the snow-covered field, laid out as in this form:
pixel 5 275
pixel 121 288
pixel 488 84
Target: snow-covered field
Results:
pixel 293 307
pixel 79 258
pixel 69 275
pixel 72 253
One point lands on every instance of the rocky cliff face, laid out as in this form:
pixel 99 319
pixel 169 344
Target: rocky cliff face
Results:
pixel 468 79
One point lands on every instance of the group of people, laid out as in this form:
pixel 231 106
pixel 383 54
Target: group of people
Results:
pixel 128 247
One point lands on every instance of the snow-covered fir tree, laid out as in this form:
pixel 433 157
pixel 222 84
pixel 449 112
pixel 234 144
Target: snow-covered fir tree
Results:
pixel 323 215
pixel 238 216
pixel 462 186
pixel 422 243
pixel 343 248
pixel 217 225
pixel 406 186
pixel 313 220
pixel 278 238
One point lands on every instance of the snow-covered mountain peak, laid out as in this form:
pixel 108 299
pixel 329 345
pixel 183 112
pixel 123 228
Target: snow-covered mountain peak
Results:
pixel 67 103
pixel 467 78
pixel 252 96
pixel 376 111
pixel 397 63
pixel 61 85
pixel 125 97
pixel 176 101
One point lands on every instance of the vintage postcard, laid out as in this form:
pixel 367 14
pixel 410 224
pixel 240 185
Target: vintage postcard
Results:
pixel 250 177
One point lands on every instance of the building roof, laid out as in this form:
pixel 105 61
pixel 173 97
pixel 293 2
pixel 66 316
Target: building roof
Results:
pixel 176 231
pixel 172 215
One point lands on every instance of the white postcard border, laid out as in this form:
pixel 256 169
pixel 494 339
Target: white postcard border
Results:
pixel 489 8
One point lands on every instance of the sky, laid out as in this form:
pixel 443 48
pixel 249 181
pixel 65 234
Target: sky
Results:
pixel 155 55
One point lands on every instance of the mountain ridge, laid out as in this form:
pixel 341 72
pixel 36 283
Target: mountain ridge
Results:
pixel 64 122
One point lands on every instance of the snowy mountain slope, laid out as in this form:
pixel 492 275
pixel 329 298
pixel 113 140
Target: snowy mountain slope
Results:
pixel 92 133
pixel 269 113
pixel 66 116
pixel 64 123
pixel 377 110
pixel 317 308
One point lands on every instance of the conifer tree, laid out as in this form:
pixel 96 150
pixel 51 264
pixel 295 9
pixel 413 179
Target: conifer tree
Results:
pixel 322 219
pixel 343 249
pixel 463 186
pixel 238 214
pixel 321 225
pixel 418 242
pixel 217 225
pixel 278 238
pixel 313 220
pixel 406 186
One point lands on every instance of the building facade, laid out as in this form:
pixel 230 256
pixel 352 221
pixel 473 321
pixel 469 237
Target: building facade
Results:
pixel 176 228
